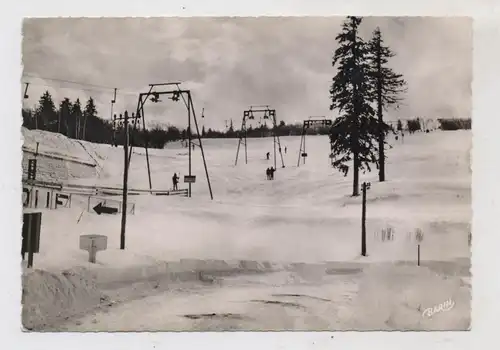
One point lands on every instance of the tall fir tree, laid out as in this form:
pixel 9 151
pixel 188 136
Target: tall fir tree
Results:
pixel 65 108
pixel 46 114
pixel 354 133
pixel 388 86
pixel 89 116
pixel 76 117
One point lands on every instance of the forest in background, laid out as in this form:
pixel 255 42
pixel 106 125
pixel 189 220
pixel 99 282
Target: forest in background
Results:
pixel 82 122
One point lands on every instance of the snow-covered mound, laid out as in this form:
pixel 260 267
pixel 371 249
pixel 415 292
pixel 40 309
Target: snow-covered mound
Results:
pixel 59 158
pixel 52 297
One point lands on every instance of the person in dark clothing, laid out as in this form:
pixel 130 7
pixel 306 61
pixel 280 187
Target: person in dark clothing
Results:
pixel 175 181
pixel 267 155
pixel 271 173
pixel 285 149
pixel 268 174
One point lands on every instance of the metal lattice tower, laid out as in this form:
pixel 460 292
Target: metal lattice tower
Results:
pixel 242 139
pixel 174 95
pixel 320 121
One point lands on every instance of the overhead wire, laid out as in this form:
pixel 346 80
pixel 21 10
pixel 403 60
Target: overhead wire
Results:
pixel 58 83
pixel 28 78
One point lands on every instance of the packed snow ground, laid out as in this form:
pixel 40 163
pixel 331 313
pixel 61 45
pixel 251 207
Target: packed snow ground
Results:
pixel 282 254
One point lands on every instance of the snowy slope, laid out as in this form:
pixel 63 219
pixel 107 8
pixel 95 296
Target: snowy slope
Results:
pixel 305 215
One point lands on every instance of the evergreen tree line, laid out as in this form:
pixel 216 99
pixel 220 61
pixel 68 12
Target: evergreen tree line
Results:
pixel 419 124
pixel 263 130
pixel 70 119
pixel 83 123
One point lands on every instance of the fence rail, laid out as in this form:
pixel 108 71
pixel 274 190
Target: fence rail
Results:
pixel 101 190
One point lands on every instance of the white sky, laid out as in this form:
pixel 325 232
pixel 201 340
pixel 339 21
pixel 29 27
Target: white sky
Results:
pixel 232 63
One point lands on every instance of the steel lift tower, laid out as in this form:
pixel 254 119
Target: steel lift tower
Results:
pixel 309 123
pixel 242 139
pixel 174 94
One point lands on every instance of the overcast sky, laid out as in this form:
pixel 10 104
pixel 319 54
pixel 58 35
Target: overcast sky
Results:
pixel 232 63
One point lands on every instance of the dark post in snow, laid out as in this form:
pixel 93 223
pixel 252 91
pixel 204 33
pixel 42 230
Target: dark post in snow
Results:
pixel 123 122
pixel 419 237
pixel 125 181
pixel 189 144
pixel 365 186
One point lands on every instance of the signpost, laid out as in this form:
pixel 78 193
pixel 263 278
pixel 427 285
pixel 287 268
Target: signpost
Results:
pixel 32 165
pixel 93 244
pixel 101 209
pixel 63 196
pixel 31 169
pixel 191 179
pixel 32 223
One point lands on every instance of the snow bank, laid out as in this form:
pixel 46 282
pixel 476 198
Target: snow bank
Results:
pixel 52 297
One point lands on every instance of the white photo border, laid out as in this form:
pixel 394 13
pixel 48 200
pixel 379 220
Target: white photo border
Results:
pixel 485 159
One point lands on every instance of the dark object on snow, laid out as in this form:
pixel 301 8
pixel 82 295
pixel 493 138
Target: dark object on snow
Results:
pixel 267 155
pixel 271 173
pixel 175 181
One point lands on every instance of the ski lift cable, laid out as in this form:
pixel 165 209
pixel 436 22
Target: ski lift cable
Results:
pixel 87 86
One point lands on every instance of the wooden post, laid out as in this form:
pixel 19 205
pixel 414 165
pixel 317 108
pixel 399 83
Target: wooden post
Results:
pixel 30 246
pixel 418 254
pixel 125 181
pixel 363 219
pixel 304 158
pixel 92 253
pixel 189 140
pixel 363 225
pixel 31 235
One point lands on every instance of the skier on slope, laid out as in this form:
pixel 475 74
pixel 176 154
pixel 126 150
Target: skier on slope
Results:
pixel 175 181
pixel 271 173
